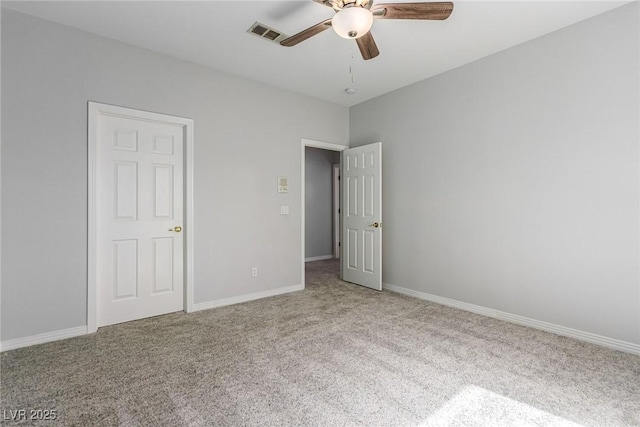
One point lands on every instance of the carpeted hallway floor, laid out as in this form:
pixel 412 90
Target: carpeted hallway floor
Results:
pixel 334 354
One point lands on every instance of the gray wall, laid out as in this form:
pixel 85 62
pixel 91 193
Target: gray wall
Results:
pixel 49 72
pixel 319 201
pixel 512 182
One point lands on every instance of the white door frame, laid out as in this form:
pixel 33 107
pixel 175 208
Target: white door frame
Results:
pixel 336 211
pixel 316 144
pixel 94 111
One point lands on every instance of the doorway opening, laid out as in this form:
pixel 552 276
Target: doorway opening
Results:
pixel 320 205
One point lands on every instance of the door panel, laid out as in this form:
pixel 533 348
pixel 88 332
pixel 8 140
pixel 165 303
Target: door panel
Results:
pixel 139 184
pixel 125 264
pixel 352 249
pixel 368 183
pixel 163 191
pixel 163 144
pixel 362 200
pixel 352 196
pixel 369 253
pixel 125 194
pixel 162 264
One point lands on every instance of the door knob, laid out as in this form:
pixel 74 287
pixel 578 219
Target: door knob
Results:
pixel 375 225
pixel 177 229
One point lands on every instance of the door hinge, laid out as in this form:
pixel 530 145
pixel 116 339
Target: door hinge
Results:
pixel 339 210
pixel 339 178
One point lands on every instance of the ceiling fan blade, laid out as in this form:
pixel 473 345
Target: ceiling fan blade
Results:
pixel 367 46
pixel 432 10
pixel 328 3
pixel 305 34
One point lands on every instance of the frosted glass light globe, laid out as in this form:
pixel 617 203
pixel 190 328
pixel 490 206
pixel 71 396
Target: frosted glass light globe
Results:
pixel 352 22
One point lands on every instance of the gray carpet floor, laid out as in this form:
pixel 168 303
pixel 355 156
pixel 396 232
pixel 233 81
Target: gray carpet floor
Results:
pixel 334 354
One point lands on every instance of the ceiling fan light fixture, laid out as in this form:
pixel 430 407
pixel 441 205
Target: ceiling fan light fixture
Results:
pixel 352 22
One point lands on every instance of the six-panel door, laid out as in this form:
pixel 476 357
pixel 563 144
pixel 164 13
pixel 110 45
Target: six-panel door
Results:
pixel 139 206
pixel 362 217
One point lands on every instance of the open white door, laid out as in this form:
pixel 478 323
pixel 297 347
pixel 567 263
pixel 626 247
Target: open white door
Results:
pixel 362 215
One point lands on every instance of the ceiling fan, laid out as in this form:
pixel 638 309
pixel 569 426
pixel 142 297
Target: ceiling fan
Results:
pixel 354 18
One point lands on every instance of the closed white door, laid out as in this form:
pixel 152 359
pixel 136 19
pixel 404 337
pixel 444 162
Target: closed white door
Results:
pixel 139 204
pixel 362 215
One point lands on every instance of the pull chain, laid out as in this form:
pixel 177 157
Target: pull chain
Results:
pixel 353 79
pixel 351 90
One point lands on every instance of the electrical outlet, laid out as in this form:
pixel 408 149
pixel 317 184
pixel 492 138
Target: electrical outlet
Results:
pixel 254 272
pixel 284 210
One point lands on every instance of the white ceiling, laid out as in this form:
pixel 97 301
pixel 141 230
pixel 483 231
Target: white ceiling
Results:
pixel 213 34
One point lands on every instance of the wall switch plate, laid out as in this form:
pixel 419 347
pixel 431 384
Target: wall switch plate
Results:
pixel 284 210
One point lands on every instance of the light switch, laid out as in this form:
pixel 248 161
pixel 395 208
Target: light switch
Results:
pixel 284 210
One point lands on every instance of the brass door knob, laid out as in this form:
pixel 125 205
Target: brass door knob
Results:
pixel 177 229
pixel 375 225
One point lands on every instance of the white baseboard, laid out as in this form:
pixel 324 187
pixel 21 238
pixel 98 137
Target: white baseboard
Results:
pixel 442 300
pixel 615 344
pixel 318 258
pixel 520 320
pixel 82 330
pixel 244 298
pixel 42 338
